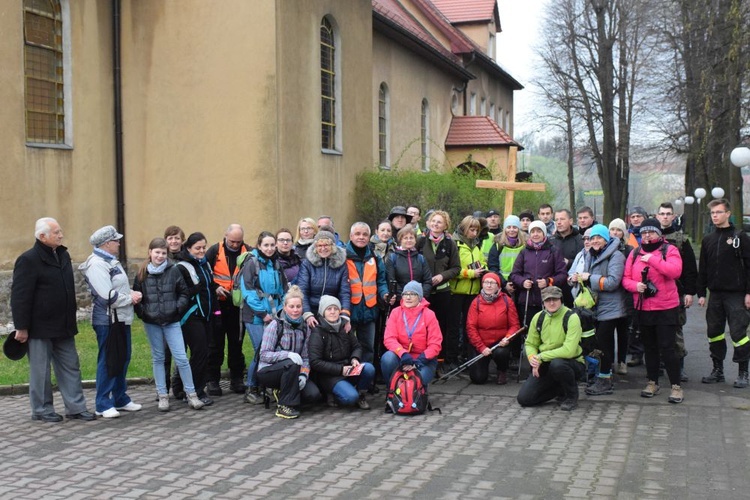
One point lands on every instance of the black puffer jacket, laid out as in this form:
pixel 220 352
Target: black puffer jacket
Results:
pixel 165 297
pixel 408 265
pixel 330 351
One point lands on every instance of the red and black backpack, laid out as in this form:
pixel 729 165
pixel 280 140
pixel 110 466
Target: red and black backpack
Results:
pixel 407 394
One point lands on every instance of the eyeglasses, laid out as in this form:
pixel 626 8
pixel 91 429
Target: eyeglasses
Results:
pixel 586 238
pixel 323 245
pixel 718 212
pixel 305 229
pixel 284 240
pixel 410 294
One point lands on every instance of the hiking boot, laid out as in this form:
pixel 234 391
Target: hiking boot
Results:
pixel 600 387
pixel 237 386
pixel 284 411
pixel 362 403
pixel 213 388
pixel 194 401
pixel 502 377
pixel 717 374
pixel 676 395
pixel 163 402
pixel 253 396
pixel 651 390
pixel 569 404
pixel 635 360
pixel 622 368
pixel 742 380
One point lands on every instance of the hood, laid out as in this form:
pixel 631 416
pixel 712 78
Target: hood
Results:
pixel 90 260
pixel 336 260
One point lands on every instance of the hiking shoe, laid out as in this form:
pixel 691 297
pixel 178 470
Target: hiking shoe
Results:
pixel 194 401
pixel 651 390
pixel 569 404
pixel 362 403
pixel 163 402
pixel 284 411
pixel 600 387
pixel 253 396
pixel 635 360
pixel 742 380
pixel 676 395
pixel 213 388
pixel 237 386
pixel 622 368
pixel 717 374
pixel 502 377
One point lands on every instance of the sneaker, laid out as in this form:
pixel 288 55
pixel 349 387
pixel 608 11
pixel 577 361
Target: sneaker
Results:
pixel 569 404
pixel 109 413
pixel 362 403
pixel 651 390
pixel 194 401
pixel 622 368
pixel 253 396
pixel 130 407
pixel 206 401
pixel 635 360
pixel 676 395
pixel 213 388
pixel 163 402
pixel 600 387
pixel 284 411
pixel 237 386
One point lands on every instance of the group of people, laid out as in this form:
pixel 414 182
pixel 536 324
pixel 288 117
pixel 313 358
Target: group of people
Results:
pixel 326 318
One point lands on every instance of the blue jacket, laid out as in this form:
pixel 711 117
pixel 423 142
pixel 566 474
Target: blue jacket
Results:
pixel 360 312
pixel 318 277
pixel 265 294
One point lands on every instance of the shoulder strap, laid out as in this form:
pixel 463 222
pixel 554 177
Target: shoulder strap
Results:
pixel 190 270
pixel 567 316
pixel 539 322
pixel 279 333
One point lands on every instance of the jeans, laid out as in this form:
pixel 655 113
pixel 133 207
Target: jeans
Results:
pixel 390 362
pixel 170 334
pixel 346 391
pixel 366 337
pixel 110 391
pixel 255 332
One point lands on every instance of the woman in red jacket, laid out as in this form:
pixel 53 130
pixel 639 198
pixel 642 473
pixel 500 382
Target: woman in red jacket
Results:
pixel 412 336
pixel 492 318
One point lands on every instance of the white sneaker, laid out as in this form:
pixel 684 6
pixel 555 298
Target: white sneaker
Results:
pixel 130 407
pixel 110 413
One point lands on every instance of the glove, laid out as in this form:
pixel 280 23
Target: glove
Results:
pixel 296 358
pixel 302 382
pixel 406 360
pixel 421 360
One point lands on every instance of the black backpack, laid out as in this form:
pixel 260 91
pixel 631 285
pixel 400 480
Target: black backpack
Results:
pixel 587 343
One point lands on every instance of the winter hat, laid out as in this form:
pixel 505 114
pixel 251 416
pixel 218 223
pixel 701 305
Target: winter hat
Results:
pixel 639 211
pixel 399 210
pixel 539 225
pixel 526 214
pixel 587 234
pixel 618 224
pixel 103 235
pixel 327 301
pixel 651 225
pixel 414 286
pixel 324 235
pixel 600 230
pixel 492 276
pixel 512 220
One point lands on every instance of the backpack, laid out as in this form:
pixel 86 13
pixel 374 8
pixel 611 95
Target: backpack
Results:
pixel 407 394
pixel 248 263
pixel 588 327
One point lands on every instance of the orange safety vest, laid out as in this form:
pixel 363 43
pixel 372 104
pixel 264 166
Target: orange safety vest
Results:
pixel 366 285
pixel 221 269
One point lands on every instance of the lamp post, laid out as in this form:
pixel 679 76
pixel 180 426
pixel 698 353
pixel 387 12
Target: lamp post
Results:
pixel 699 193
pixel 689 200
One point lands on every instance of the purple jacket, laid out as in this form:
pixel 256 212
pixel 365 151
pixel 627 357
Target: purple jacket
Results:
pixel 546 263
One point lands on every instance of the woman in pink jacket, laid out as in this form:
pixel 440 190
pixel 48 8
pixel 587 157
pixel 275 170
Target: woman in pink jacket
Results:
pixel 651 272
pixel 412 336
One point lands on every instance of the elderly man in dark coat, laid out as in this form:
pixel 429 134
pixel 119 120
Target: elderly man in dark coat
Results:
pixel 43 304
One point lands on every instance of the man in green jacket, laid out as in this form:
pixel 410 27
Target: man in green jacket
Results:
pixel 554 354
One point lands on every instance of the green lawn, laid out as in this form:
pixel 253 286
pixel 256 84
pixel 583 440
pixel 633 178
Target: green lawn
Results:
pixel 17 372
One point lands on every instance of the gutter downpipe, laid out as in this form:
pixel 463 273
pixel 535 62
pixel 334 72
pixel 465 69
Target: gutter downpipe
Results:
pixel 119 169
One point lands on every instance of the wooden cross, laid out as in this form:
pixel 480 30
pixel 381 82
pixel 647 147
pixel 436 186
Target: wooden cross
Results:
pixel 509 186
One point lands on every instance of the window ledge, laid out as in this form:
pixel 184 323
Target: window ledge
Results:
pixel 44 145
pixel 331 152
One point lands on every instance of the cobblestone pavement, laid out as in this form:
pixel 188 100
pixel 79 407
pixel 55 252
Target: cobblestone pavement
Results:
pixel 482 446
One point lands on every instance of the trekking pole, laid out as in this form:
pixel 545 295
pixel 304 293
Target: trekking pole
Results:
pixel 456 371
pixel 525 325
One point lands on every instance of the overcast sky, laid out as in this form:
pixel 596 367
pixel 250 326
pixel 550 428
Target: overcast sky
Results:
pixel 520 22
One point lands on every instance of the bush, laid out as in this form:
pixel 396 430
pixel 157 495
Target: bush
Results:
pixel 378 191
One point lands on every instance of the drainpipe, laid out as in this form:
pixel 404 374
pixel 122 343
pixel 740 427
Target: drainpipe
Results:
pixel 119 173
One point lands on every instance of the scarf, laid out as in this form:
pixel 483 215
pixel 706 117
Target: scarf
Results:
pixel 650 247
pixel 304 241
pixel 336 325
pixel 512 241
pixel 435 239
pixel 294 322
pixel 104 255
pixel 489 298
pixel 152 269
pixel 536 246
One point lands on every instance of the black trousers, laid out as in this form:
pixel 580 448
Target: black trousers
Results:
pixel 440 304
pixel 559 377
pixel 659 346
pixel 196 332
pixel 227 330
pixel 723 308
pixel 284 375
pixel 605 340
pixel 480 371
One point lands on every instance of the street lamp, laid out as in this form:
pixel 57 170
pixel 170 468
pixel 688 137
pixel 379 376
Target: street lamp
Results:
pixel 717 192
pixel 740 157
pixel 699 193
pixel 689 200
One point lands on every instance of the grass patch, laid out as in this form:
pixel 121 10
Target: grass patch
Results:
pixel 17 372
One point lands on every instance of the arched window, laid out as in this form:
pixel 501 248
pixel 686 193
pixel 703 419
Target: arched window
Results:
pixel 425 129
pixel 43 69
pixel 328 85
pixel 383 116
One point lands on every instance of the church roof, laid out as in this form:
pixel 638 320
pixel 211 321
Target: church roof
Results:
pixel 468 11
pixel 477 131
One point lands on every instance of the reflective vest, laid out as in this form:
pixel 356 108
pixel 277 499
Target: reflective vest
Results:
pixel 222 276
pixel 366 285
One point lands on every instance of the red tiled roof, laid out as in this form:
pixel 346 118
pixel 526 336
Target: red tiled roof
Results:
pixel 477 131
pixel 463 11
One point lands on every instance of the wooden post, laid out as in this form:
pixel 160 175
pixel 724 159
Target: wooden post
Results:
pixel 510 186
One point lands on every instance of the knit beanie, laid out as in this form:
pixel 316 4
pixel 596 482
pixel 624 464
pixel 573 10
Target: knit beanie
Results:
pixel 414 286
pixel 512 220
pixel 492 276
pixel 618 224
pixel 327 301
pixel 539 225
pixel 325 235
pixel 526 214
pixel 600 230
pixel 651 225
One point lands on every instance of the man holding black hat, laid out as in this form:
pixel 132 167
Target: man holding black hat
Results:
pixel 43 303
